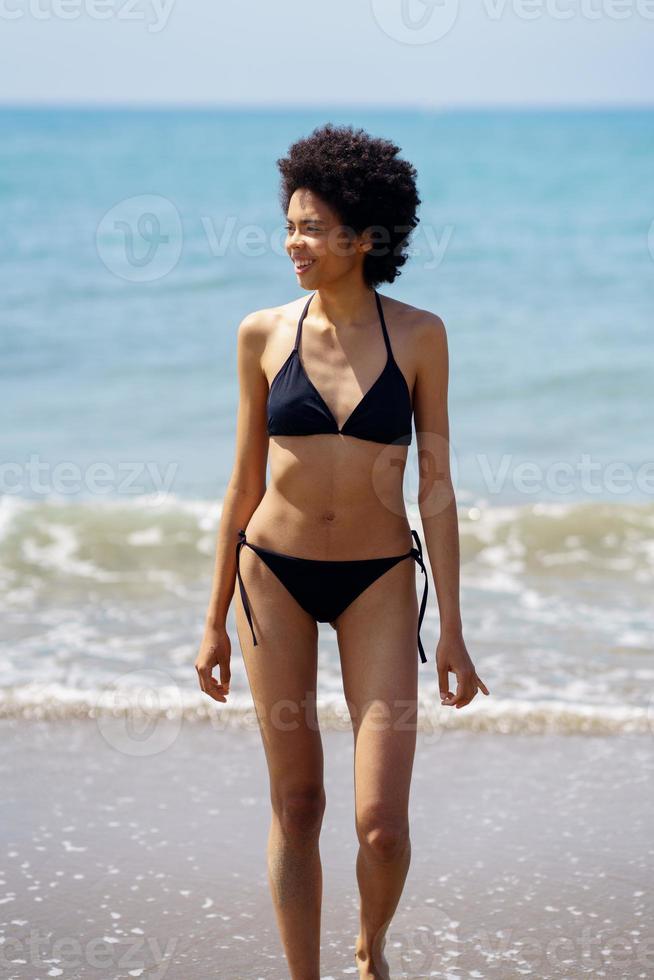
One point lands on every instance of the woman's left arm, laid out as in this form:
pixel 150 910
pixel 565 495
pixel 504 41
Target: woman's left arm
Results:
pixel 437 505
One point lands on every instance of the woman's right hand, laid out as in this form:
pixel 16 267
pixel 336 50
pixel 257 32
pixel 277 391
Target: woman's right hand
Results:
pixel 215 651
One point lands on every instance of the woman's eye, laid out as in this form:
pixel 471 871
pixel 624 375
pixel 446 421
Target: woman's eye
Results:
pixel 312 228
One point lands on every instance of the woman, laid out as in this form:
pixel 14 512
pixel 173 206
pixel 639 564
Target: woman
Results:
pixel 328 386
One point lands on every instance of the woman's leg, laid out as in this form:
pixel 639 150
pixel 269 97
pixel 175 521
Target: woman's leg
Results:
pixel 282 673
pixel 379 661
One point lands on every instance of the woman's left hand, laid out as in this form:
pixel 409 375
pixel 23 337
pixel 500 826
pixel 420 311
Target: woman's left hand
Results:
pixel 452 655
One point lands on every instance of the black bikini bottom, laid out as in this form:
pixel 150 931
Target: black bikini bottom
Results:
pixel 325 588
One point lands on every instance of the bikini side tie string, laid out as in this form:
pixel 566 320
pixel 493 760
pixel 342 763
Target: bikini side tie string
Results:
pixel 417 552
pixel 246 605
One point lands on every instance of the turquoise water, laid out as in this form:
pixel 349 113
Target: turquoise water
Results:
pixel 545 283
pixel 126 268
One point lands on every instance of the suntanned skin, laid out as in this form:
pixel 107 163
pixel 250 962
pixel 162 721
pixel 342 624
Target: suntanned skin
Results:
pixel 338 497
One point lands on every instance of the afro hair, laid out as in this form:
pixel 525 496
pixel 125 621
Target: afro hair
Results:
pixel 365 182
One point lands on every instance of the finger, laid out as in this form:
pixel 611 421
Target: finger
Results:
pixel 225 675
pixel 215 691
pixel 466 689
pixel 443 681
pixel 200 680
pixel 469 691
pixel 210 685
pixel 482 686
pixel 216 685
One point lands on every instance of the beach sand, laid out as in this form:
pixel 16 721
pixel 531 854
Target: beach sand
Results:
pixel 142 853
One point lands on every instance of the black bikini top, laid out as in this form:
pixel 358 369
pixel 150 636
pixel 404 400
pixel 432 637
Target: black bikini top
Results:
pixel 296 407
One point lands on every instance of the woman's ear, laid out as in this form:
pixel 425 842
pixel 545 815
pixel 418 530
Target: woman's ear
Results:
pixel 365 240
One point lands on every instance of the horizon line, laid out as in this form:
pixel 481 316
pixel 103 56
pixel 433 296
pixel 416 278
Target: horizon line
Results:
pixel 331 106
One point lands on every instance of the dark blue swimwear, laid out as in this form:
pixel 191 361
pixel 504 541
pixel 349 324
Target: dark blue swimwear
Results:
pixel 325 588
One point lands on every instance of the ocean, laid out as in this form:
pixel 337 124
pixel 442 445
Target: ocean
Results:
pixel 134 241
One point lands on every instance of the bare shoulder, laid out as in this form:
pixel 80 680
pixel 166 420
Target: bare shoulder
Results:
pixel 255 328
pixel 259 326
pixel 422 329
pixel 265 336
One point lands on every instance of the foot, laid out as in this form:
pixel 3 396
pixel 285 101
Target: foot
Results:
pixel 380 970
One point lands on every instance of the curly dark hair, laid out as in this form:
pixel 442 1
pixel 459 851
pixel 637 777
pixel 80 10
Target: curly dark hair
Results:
pixel 365 182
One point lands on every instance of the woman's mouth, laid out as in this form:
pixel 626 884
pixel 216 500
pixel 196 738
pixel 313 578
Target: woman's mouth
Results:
pixel 301 265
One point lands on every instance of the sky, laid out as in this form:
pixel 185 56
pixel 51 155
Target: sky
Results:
pixel 431 53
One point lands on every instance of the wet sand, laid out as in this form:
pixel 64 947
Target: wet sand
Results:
pixel 134 852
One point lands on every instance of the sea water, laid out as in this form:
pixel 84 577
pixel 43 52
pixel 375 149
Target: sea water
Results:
pixel 133 243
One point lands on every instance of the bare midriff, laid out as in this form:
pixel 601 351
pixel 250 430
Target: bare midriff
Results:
pixel 333 497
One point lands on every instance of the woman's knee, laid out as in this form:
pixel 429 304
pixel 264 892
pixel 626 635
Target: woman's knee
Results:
pixel 300 810
pixel 383 833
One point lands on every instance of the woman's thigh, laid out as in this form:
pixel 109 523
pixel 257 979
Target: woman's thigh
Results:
pixel 377 639
pixel 282 674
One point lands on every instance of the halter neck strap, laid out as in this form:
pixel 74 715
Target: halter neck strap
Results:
pixel 301 321
pixel 383 325
pixel 298 332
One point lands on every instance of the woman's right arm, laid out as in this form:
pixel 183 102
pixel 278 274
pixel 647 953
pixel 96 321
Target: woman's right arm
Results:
pixel 245 488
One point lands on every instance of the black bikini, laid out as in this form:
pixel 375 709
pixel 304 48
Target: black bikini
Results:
pixel 325 588
pixel 296 407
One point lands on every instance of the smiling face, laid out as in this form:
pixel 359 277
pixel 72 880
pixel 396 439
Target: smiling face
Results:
pixel 321 247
